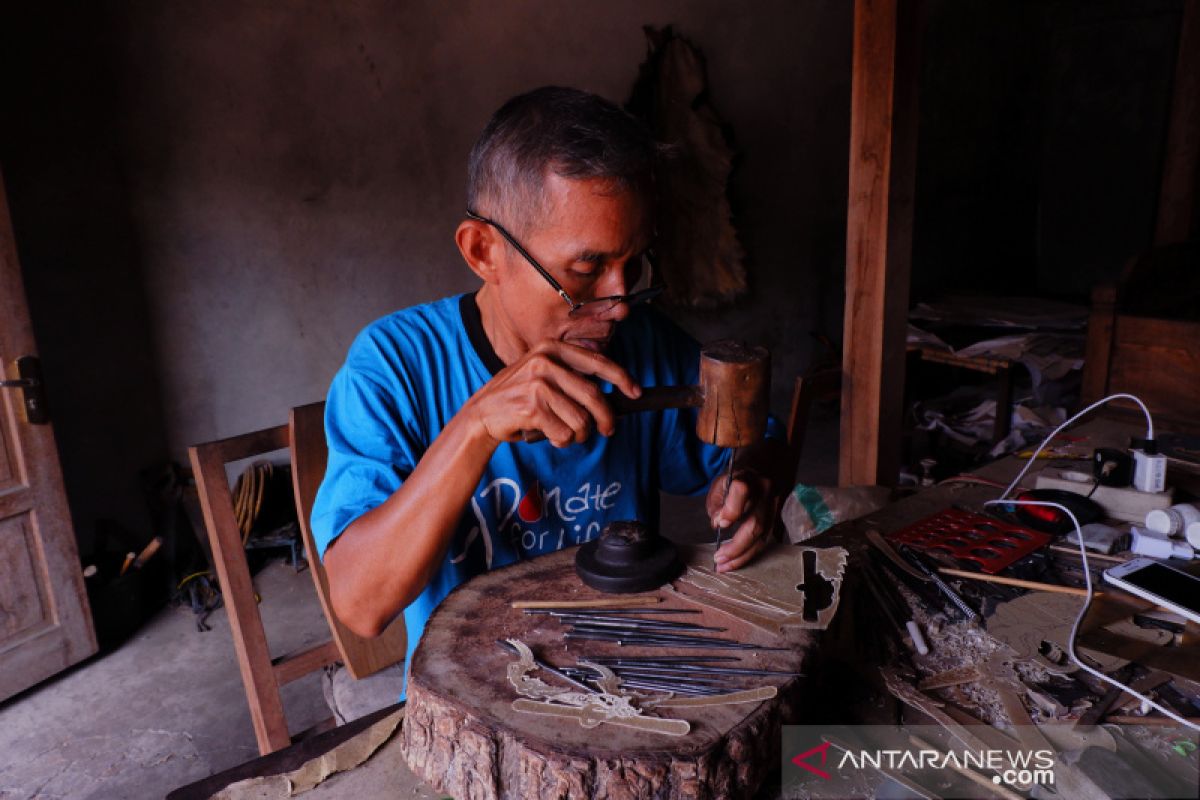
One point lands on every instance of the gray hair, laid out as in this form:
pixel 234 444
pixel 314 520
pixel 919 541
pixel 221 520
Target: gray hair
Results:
pixel 575 134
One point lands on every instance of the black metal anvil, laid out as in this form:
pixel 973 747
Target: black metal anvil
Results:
pixel 627 558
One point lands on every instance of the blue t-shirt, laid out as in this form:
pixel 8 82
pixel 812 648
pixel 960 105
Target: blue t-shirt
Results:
pixel 409 373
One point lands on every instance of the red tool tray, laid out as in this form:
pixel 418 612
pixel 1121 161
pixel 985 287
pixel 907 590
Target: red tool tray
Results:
pixel 985 541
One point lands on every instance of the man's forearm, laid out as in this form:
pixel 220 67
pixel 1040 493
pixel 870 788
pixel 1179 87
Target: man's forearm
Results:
pixel 386 557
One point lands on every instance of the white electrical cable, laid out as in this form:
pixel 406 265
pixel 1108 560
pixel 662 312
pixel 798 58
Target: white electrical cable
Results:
pixel 1087 574
pixel 1071 421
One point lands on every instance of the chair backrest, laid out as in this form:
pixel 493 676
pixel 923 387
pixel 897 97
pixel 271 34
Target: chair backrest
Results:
pixel 361 656
pixel 262 676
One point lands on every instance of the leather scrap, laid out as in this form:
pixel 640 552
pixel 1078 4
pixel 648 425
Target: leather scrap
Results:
pixel 611 705
pixel 348 755
pixel 591 716
pixel 756 695
pixel 777 590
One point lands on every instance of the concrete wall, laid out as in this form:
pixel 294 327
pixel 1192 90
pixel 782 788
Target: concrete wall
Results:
pixel 301 174
pixel 272 176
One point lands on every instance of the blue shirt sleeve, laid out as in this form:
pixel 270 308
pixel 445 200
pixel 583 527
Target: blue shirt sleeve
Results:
pixel 374 445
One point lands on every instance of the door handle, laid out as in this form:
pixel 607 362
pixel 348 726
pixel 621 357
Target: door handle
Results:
pixel 33 390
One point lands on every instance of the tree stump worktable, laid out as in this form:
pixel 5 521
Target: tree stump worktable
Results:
pixel 463 737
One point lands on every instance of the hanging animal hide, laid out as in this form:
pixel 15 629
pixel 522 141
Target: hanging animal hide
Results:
pixel 703 263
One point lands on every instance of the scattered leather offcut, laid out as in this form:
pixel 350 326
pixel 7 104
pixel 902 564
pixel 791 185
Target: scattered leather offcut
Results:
pixel 755 695
pixel 786 586
pixel 348 755
pixel 1037 626
pixel 611 705
pixel 951 677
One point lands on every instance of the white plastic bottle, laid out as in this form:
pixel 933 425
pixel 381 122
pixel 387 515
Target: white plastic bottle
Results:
pixel 1174 520
pixel 1192 533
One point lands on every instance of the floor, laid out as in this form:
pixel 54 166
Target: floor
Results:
pixel 167 707
pixel 163 710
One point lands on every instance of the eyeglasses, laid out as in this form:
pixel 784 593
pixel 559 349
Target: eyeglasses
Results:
pixel 590 308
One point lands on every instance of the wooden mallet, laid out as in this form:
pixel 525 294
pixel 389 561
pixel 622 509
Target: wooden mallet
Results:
pixel 734 389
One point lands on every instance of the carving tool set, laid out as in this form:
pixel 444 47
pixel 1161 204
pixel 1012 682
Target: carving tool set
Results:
pixel 638 632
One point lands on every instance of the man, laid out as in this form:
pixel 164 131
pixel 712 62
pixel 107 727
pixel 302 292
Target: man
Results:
pixel 432 477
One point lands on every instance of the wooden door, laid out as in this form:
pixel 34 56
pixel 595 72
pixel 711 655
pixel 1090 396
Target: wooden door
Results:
pixel 45 623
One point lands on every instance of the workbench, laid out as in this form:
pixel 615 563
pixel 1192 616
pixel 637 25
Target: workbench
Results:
pixel 841 685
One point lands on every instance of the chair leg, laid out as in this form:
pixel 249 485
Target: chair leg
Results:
pixel 249 639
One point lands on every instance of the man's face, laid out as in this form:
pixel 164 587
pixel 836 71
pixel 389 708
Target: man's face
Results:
pixel 590 238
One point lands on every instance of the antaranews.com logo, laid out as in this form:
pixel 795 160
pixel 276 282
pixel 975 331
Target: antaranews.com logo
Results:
pixel 1022 769
pixel 978 761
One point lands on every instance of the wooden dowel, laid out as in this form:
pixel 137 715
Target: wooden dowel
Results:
pixel 611 602
pixel 1074 551
pixel 1024 584
pixel 147 552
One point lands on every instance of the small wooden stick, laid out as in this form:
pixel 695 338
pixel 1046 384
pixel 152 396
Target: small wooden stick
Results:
pixel 1024 584
pixel 147 552
pixel 970 774
pixel 1155 721
pixel 1074 551
pixel 611 602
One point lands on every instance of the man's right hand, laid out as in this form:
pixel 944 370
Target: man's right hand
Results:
pixel 550 389
pixel 373 573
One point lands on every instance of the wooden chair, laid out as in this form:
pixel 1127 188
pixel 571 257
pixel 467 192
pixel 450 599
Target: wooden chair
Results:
pixel 362 657
pixel 263 675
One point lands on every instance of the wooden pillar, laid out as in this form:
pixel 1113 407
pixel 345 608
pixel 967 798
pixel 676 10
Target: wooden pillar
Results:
pixel 883 128
pixel 1177 211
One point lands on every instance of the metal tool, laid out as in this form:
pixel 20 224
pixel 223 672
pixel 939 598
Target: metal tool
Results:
pixel 632 622
pixel 665 685
pixel 697 674
pixel 673 660
pixel 632 633
pixel 682 680
pixel 609 611
pixel 618 665
pixel 661 636
pixel 728 483
pixel 633 640
pixel 671 687
pixel 930 571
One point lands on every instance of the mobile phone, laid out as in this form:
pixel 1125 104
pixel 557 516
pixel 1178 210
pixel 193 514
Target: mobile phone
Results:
pixel 1166 586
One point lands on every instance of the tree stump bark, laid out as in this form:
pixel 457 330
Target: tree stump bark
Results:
pixel 462 736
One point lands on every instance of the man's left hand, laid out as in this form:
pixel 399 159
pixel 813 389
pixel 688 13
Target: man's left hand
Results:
pixel 747 510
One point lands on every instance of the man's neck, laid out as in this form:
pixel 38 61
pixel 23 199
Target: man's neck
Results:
pixel 507 345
